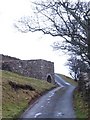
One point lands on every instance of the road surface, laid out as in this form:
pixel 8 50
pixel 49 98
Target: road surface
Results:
pixel 55 104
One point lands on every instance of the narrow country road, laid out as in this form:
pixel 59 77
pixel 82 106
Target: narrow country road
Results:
pixel 55 104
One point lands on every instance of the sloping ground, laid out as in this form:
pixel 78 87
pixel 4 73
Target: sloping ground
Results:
pixel 68 79
pixel 18 92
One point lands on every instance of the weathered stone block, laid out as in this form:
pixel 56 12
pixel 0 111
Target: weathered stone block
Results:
pixel 40 69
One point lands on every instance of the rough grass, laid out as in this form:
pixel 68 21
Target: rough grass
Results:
pixel 15 102
pixel 81 106
pixel 0 97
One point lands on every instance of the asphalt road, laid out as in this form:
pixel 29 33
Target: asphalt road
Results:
pixel 55 104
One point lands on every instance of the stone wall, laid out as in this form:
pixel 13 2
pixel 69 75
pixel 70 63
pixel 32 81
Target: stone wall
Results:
pixel 40 69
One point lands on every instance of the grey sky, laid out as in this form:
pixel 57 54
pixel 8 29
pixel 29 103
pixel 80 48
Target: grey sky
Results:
pixel 26 45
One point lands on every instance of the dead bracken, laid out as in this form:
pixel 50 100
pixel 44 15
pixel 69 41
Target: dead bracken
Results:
pixel 17 86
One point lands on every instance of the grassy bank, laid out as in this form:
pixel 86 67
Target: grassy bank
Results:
pixel 15 101
pixel 80 105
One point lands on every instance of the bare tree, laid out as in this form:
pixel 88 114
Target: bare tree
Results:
pixel 76 66
pixel 73 67
pixel 60 18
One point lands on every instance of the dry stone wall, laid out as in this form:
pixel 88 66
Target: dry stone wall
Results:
pixel 40 69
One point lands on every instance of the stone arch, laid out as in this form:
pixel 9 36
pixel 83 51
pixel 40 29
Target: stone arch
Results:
pixel 49 78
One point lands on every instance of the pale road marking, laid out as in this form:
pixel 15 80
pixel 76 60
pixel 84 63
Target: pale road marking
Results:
pixel 59 114
pixel 67 83
pixel 51 95
pixel 42 106
pixel 48 99
pixel 48 102
pixel 37 115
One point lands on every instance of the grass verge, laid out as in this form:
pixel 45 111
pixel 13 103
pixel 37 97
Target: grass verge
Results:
pixel 14 102
pixel 80 105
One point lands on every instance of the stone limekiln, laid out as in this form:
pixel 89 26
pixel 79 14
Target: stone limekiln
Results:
pixel 40 69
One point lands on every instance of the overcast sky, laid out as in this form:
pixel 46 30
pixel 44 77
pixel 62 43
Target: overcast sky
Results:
pixel 26 45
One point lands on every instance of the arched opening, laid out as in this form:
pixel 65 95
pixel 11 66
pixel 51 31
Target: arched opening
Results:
pixel 49 79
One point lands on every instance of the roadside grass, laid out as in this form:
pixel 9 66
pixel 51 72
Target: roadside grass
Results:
pixel 80 105
pixel 0 97
pixel 14 102
pixel 68 79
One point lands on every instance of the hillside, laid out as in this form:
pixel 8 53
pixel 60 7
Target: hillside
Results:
pixel 18 92
pixel 68 79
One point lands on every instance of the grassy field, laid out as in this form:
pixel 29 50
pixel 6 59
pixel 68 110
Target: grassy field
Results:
pixel 14 102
